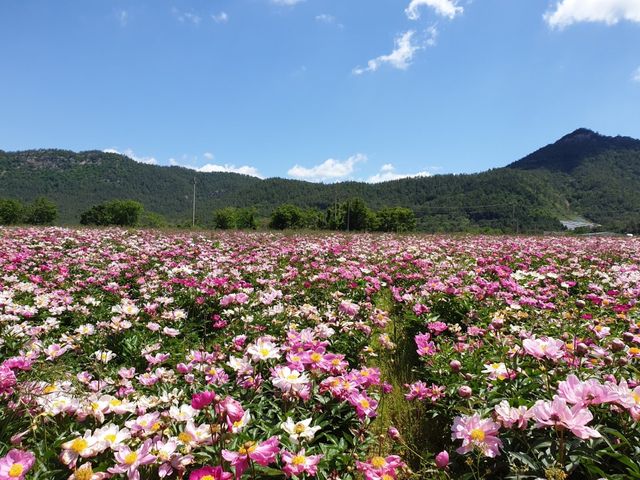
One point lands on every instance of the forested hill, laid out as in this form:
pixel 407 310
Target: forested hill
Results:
pixel 584 173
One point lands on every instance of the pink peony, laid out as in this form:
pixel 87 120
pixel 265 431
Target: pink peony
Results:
pixel 557 414
pixel 15 464
pixel 477 432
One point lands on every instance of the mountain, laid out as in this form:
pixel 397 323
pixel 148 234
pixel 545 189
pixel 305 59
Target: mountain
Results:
pixel 582 174
pixel 572 150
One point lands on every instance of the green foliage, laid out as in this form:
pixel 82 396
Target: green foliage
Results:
pixel 395 219
pixel 125 213
pixel 41 212
pixel 286 216
pixel 10 211
pixel 235 218
pixel 561 180
pixel 225 218
pixel 152 220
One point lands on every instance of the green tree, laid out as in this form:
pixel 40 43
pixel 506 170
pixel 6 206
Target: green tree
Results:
pixel 10 211
pixel 286 216
pixel 246 218
pixel 395 219
pixel 124 213
pixel 225 218
pixel 41 212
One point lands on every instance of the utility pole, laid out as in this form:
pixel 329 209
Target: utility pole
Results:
pixel 193 216
pixel 348 213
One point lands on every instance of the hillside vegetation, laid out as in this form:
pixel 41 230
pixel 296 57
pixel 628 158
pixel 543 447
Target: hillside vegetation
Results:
pixel 583 173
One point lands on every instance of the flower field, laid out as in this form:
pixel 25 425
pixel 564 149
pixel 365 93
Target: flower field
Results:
pixel 143 355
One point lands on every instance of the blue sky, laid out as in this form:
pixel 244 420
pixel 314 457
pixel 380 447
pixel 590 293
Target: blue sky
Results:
pixel 323 90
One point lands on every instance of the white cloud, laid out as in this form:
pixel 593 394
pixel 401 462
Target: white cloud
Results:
pixel 445 8
pixel 244 170
pixel 610 12
pixel 403 53
pixel 129 153
pixel 214 167
pixel 186 17
pixel 123 18
pixel 636 75
pixel 221 17
pixel 330 169
pixel 388 173
pixel 327 19
pixel 287 3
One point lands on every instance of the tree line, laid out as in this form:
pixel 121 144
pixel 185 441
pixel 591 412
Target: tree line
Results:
pixel 350 215
pixel 41 211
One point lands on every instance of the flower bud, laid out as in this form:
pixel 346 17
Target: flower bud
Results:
pixel 442 459
pixel 465 391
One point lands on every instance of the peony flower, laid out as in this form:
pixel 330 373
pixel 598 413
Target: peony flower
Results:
pixel 557 414
pixel 299 430
pixel 378 468
pixel 202 400
pixel 15 464
pixel 128 461
pixel 210 473
pixel 442 459
pixel 298 463
pixel 544 348
pixel 263 454
pixel 86 446
pixel 476 433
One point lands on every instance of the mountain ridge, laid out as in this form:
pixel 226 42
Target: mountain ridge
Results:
pixel 557 181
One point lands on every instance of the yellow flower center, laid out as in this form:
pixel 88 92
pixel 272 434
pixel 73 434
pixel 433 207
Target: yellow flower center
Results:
pixel 636 398
pixel 386 476
pixel 477 435
pixel 79 445
pixel 495 366
pixel 316 357
pixel 110 437
pixel 50 389
pixel 85 472
pixel 378 462
pixel 16 470
pixel 131 458
pixel 634 351
pixel 298 460
pixel 184 437
pixel 207 477
pixel 364 403
pixel 155 427
pixel 299 428
pixel 247 448
pixel 115 402
pixel 264 352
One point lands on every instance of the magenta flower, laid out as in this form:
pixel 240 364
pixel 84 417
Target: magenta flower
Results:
pixel 210 473
pixel 298 463
pixel 477 432
pixel 590 392
pixel 442 459
pixel 15 464
pixel 378 468
pixel 557 414
pixel 365 405
pixel 128 461
pixel 7 380
pixel 263 454
pixel 544 348
pixel 202 400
